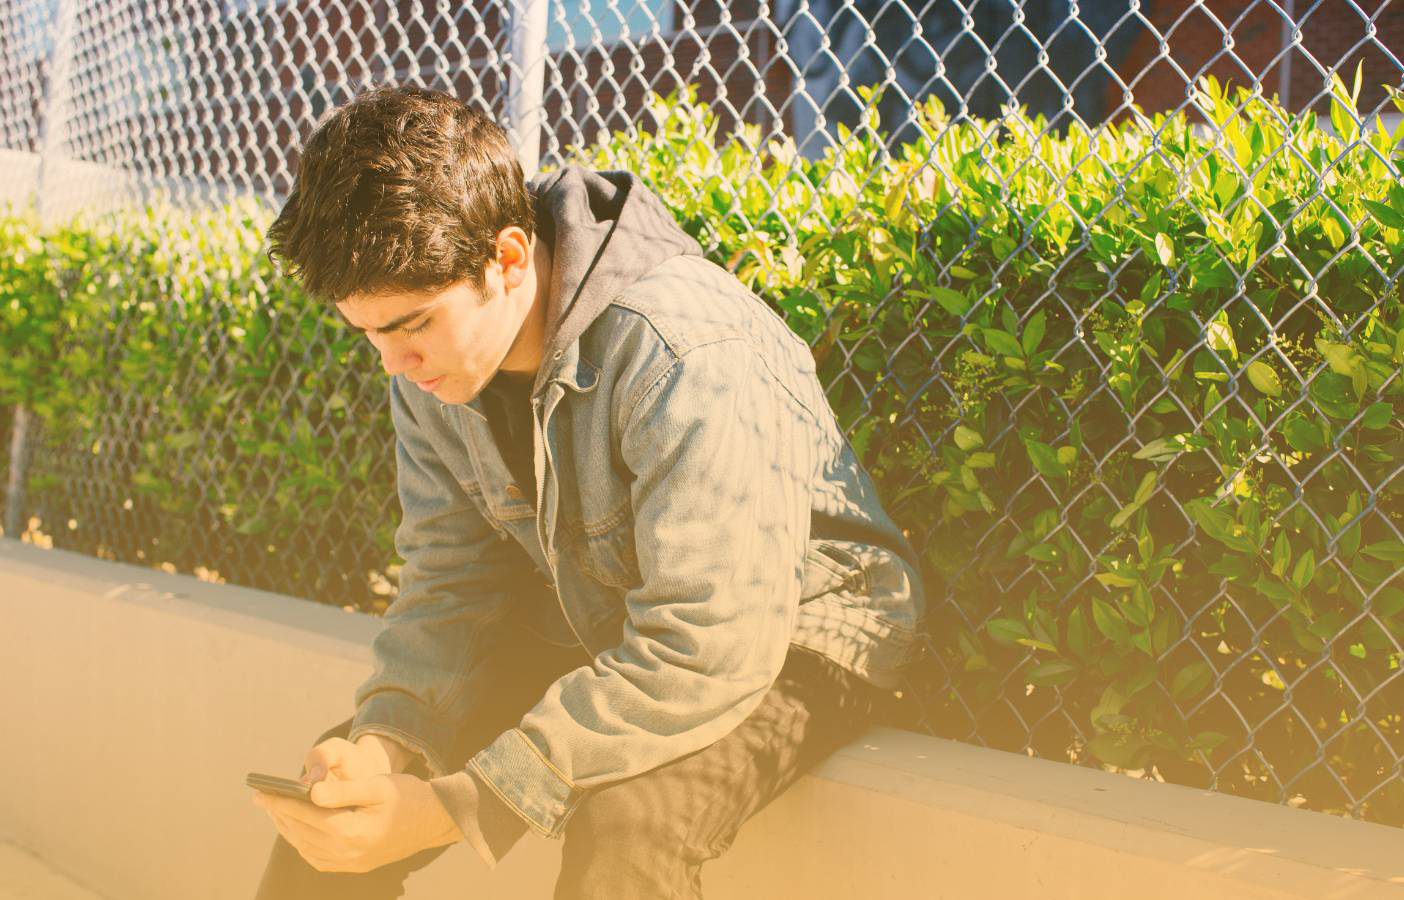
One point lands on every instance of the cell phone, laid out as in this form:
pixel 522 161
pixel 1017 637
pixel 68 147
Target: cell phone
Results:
pixel 283 787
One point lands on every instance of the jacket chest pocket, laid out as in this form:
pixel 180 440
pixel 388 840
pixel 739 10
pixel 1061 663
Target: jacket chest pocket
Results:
pixel 605 552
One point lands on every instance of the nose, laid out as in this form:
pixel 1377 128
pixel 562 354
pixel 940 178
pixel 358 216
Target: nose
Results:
pixel 395 358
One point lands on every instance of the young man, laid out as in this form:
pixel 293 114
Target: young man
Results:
pixel 646 584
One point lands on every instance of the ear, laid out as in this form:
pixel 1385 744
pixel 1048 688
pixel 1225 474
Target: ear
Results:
pixel 513 256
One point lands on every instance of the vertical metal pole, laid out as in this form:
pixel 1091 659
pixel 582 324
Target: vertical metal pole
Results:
pixel 1284 68
pixel 527 74
pixel 14 487
pixel 57 89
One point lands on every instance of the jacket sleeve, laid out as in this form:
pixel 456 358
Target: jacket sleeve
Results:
pixel 722 465
pixel 453 589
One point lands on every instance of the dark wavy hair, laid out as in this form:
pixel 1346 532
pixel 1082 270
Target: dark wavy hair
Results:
pixel 403 189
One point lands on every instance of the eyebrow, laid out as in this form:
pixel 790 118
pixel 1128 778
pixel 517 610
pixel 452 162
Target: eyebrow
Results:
pixel 393 324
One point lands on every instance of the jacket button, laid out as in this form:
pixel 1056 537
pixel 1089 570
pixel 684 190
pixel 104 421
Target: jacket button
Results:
pixel 514 492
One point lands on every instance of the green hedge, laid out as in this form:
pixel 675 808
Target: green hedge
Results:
pixel 199 410
pixel 1158 467
pixel 1135 394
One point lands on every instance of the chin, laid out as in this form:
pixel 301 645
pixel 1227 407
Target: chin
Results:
pixel 454 393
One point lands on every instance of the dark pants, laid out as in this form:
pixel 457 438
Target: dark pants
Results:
pixel 648 836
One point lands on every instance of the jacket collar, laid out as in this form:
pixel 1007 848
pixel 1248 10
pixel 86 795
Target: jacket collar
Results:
pixel 572 370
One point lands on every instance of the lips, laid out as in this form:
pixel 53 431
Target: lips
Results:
pixel 430 384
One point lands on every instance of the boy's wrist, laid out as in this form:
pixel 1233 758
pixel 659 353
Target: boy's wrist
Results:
pixel 392 754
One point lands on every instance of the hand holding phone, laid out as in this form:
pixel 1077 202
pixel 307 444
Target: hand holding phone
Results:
pixel 282 787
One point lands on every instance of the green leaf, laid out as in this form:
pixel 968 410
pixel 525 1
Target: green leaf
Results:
pixel 1055 672
pixel 1377 416
pixel 968 438
pixel 1007 631
pixel 1331 227
pixel 1219 525
pixel 1110 623
pixel 1045 459
pixel 1388 602
pixel 1264 378
pixel 1002 342
pixel 1145 488
pixel 1219 335
pixel 1207 740
pixel 1275 590
pixel 1281 555
pixel 1233 566
pixel 1191 681
pixel 1111 579
pixel 1120 750
pixel 981 460
pixel 1164 249
pixel 1303 435
pixel 1125 513
pixel 1077 632
pixel 953 302
pixel 1342 358
pixel 1305 570
pixel 1386 216
pixel 1033 333
pixel 1386 551
pixel 1158 450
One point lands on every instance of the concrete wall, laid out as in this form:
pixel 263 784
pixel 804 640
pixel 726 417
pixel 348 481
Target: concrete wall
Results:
pixel 135 702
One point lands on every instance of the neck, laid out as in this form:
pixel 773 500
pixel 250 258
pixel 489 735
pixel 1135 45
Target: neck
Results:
pixel 524 359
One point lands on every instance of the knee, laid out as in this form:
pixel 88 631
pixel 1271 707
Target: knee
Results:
pixel 621 843
pixel 624 817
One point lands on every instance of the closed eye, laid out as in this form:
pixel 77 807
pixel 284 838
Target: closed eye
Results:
pixel 418 328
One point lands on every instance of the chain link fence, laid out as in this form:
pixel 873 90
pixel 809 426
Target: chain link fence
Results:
pixel 110 105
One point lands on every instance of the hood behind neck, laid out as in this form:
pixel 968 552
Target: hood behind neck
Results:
pixel 609 230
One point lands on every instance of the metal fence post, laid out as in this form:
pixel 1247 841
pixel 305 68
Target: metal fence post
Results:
pixel 526 74
pixel 14 486
pixel 58 91
pixel 54 105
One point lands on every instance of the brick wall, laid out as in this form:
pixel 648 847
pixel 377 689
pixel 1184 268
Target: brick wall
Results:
pixel 1221 38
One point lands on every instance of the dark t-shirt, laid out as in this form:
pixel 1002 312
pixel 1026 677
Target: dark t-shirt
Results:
pixel 506 400
pixel 506 403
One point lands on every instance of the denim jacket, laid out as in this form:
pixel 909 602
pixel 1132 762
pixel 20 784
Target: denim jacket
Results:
pixel 696 511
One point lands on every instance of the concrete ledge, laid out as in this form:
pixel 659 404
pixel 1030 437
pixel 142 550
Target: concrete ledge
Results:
pixel 136 701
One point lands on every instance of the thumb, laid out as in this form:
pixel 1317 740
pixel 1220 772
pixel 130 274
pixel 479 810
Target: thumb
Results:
pixel 324 758
pixel 360 792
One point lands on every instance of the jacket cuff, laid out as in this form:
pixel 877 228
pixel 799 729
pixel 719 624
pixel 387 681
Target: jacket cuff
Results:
pixel 521 776
pixel 401 718
pixel 489 826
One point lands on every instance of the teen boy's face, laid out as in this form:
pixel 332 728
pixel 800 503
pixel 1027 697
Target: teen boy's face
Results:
pixel 449 343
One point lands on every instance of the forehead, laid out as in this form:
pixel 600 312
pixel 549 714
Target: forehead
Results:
pixel 388 309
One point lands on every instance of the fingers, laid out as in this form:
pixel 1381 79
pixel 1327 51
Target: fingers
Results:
pixel 361 792
pixel 336 824
pixel 326 757
pixel 327 846
pixel 304 837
